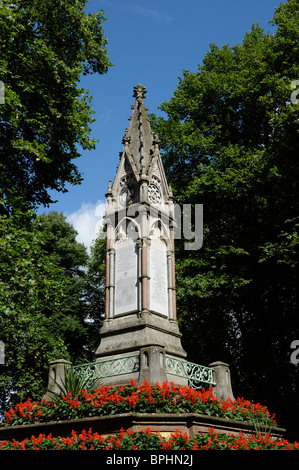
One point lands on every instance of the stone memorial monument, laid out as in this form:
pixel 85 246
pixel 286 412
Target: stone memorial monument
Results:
pixel 140 337
pixel 140 324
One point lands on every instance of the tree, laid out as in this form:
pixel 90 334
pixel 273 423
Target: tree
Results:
pixel 33 290
pixel 83 305
pixel 45 48
pixel 59 241
pixel 230 142
pixel 95 290
pixel 51 300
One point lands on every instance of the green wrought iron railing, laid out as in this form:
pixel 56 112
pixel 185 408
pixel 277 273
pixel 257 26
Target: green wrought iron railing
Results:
pixel 98 372
pixel 198 376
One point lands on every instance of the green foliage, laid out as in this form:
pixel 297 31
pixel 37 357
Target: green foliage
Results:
pixel 95 290
pixel 45 119
pixel 72 383
pixel 50 300
pixel 230 142
pixel 71 256
pixel 32 291
pixel 60 241
pixel 45 48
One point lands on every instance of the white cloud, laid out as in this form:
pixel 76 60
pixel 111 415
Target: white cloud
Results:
pixel 154 15
pixel 149 13
pixel 87 221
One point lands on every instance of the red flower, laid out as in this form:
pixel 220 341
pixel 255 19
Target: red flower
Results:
pixel 148 388
pixel 23 444
pixel 117 442
pixel 151 400
pixel 195 445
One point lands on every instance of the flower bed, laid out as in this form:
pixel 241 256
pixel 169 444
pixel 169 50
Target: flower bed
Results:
pixel 109 400
pixel 147 440
pixel 158 404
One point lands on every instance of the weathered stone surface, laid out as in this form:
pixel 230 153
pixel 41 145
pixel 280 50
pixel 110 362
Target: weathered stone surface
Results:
pixel 126 277
pixel 223 389
pixel 158 277
pixel 152 365
pixel 56 376
pixel 132 332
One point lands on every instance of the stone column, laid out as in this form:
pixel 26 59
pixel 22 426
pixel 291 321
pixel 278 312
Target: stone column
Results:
pixel 56 376
pixel 107 289
pixel 110 285
pixel 152 365
pixel 173 287
pixel 111 282
pixel 170 284
pixel 144 243
pixel 223 389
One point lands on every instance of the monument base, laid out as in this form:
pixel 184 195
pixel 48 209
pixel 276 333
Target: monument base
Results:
pixel 140 340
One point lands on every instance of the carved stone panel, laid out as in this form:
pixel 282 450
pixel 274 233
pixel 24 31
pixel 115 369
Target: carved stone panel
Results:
pixel 126 277
pixel 158 277
pixel 154 194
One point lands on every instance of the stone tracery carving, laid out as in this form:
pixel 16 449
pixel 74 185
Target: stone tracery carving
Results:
pixel 154 193
pixel 128 190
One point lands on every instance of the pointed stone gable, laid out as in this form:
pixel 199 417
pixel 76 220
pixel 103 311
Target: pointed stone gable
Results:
pixel 140 176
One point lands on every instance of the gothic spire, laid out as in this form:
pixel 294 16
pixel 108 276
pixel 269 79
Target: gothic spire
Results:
pixel 139 138
pixel 140 174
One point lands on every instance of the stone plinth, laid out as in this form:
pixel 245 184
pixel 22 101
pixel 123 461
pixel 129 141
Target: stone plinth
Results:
pixel 132 332
pixel 149 335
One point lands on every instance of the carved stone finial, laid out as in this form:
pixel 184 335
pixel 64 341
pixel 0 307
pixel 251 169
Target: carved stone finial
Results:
pixel 109 190
pixel 126 138
pixel 156 139
pixel 139 91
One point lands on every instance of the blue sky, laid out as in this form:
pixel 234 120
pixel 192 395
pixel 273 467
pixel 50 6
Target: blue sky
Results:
pixel 150 42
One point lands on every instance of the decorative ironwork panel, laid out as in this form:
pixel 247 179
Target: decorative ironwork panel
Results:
pixel 95 371
pixel 197 375
pixel 120 366
pixel 86 373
